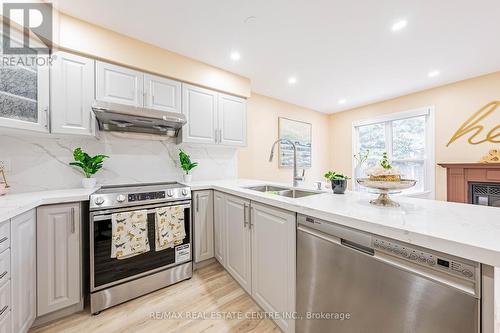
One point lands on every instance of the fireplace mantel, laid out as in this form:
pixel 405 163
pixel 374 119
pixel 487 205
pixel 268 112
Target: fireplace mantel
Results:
pixel 460 175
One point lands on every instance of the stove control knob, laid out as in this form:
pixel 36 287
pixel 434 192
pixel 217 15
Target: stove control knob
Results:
pixel 120 198
pixel 170 193
pixel 184 191
pixel 99 201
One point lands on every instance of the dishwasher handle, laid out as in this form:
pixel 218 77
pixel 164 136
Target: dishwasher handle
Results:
pixel 357 247
pixel 336 240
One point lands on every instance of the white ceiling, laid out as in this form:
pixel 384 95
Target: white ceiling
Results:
pixel 336 49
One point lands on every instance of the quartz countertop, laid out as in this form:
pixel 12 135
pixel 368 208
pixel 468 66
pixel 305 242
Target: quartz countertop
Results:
pixel 467 231
pixel 12 205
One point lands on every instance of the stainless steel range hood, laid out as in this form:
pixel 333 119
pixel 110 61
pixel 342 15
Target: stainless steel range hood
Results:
pixel 124 118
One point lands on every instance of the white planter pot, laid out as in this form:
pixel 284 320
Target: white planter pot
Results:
pixel 89 182
pixel 188 178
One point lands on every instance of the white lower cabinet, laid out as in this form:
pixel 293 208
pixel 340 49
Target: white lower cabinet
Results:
pixel 256 244
pixel 273 261
pixel 59 255
pixel 6 323
pixel 237 237
pixel 23 276
pixel 203 215
pixel 219 228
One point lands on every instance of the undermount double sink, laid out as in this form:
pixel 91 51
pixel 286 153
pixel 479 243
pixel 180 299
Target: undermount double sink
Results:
pixel 282 191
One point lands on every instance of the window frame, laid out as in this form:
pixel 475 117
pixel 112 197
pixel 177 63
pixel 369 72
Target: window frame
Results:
pixel 429 153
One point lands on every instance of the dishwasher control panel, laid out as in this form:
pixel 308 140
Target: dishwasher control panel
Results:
pixel 425 258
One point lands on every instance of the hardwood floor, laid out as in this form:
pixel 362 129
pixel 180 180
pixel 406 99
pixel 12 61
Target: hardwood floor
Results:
pixel 211 289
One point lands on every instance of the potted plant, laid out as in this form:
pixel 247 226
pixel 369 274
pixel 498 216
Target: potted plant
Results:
pixel 186 165
pixel 89 166
pixel 339 181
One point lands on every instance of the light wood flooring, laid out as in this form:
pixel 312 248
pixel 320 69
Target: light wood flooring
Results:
pixel 210 289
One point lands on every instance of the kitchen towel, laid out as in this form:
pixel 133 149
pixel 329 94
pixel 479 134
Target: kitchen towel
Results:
pixel 129 232
pixel 170 230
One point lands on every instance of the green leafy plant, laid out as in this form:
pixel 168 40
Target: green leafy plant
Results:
pixel 332 175
pixel 385 162
pixel 186 163
pixel 89 165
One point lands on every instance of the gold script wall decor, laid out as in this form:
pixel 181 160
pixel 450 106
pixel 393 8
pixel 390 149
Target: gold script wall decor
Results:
pixel 472 125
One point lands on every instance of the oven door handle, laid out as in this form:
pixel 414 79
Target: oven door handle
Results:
pixel 149 211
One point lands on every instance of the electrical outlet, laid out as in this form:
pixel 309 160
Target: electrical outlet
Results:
pixel 5 164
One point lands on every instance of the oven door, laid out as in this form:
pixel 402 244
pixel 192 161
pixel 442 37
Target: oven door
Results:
pixel 106 271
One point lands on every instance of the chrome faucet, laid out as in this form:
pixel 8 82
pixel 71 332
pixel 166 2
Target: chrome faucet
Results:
pixel 296 176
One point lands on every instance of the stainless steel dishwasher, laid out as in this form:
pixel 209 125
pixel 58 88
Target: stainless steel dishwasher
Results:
pixel 351 281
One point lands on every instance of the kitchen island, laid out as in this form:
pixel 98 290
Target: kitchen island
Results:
pixel 465 231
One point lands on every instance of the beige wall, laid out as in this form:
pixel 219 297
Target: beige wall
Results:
pixel 263 113
pixel 87 39
pixel 453 104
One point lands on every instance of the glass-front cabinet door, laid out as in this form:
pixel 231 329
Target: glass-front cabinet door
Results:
pixel 24 90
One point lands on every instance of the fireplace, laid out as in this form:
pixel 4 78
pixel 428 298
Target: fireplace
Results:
pixel 484 194
pixel 476 183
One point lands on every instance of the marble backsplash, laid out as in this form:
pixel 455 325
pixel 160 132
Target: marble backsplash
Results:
pixel 41 162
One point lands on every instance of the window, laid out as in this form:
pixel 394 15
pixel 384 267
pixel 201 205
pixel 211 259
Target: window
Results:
pixel 408 139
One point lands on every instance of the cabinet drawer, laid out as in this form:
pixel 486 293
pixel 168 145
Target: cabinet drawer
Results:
pixel 4 299
pixel 5 322
pixel 4 267
pixel 4 236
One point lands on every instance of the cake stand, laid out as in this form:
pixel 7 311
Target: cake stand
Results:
pixel 384 188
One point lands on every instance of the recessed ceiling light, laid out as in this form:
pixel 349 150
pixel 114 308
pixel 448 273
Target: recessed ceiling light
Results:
pixel 250 20
pixel 399 25
pixel 342 101
pixel 433 74
pixel 235 55
pixel 292 80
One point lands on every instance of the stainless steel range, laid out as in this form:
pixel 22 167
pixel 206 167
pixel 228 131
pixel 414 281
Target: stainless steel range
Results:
pixel 112 280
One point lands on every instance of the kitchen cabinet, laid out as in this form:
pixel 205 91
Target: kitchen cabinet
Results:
pixel 273 261
pixel 118 84
pixel 199 105
pixel 5 323
pixel 212 117
pixel 219 227
pixel 24 91
pixel 256 244
pixel 59 256
pixel 162 94
pixel 123 85
pixel 238 238
pixel 203 214
pixel 72 94
pixel 232 117
pixel 23 275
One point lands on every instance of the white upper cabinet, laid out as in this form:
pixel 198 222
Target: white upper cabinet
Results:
pixel 213 118
pixel 72 94
pixel 118 84
pixel 199 105
pixel 24 91
pixel 162 94
pixel 232 120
